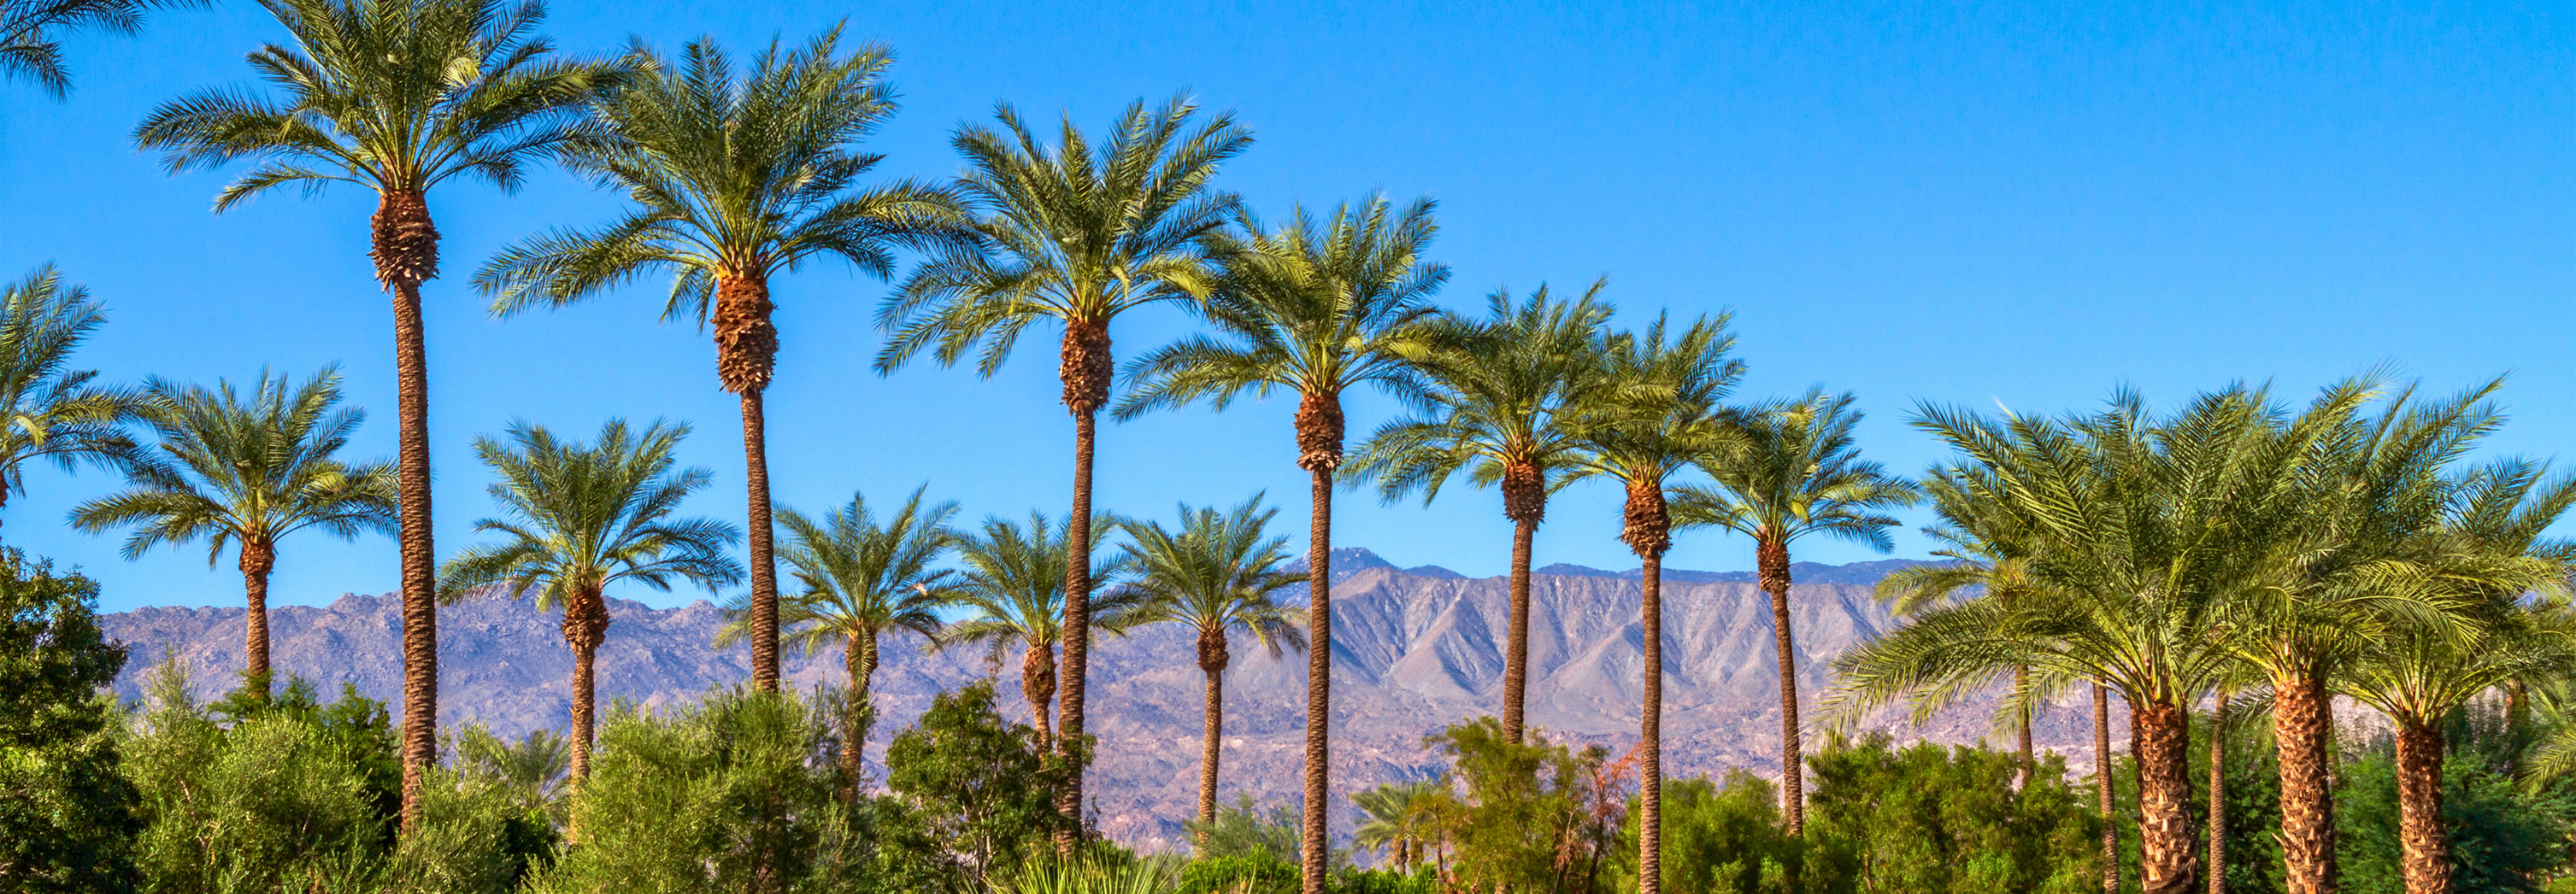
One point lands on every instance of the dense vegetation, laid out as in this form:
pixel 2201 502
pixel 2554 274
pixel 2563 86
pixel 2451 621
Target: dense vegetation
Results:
pixel 2229 571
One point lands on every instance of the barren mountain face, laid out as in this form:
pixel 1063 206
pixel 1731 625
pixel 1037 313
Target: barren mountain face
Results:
pixel 1414 650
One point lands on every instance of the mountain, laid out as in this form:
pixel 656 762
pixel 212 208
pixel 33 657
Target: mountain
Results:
pixel 1413 649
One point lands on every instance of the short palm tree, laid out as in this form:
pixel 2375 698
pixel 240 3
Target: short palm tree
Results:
pixel 859 581
pixel 1496 389
pixel 733 183
pixel 1214 575
pixel 49 411
pixel 1401 819
pixel 1317 310
pixel 1013 581
pixel 1656 408
pixel 397 96
pixel 244 474
pixel 1791 470
pixel 579 518
pixel 1078 235
pixel 31 32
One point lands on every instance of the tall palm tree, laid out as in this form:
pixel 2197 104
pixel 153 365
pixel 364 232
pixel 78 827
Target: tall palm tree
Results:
pixel 1316 310
pixel 579 518
pixel 733 182
pixel 49 411
pixel 245 474
pixel 31 31
pixel 1013 580
pixel 2144 531
pixel 1496 390
pixel 860 581
pixel 1656 410
pixel 1214 575
pixel 397 96
pixel 1792 470
pixel 1078 235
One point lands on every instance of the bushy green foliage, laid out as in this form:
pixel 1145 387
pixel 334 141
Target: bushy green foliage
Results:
pixel 2503 838
pixel 1721 836
pixel 1931 819
pixel 735 793
pixel 1259 872
pixel 1387 881
pixel 980 785
pixel 1089 874
pixel 1243 829
pixel 66 814
pixel 1516 816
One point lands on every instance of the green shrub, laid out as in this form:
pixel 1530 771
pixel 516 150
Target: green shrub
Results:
pixel 1387 881
pixel 980 786
pixel 1259 872
pixel 1718 836
pixel 67 816
pixel 1931 819
pixel 1244 830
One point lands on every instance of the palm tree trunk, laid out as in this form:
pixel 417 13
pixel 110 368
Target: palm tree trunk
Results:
pixel 1319 678
pixel 258 558
pixel 2025 755
pixel 1516 640
pixel 859 660
pixel 1037 686
pixel 2302 725
pixel 1772 560
pixel 419 556
pixel 2102 788
pixel 585 656
pixel 2168 855
pixel 1650 732
pixel 2426 849
pixel 1208 755
pixel 2218 795
pixel 764 568
pixel 1077 632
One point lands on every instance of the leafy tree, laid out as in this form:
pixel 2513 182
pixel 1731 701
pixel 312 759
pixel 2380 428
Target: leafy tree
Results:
pixel 397 96
pixel 67 813
pixel 246 474
pixel 1496 391
pixel 30 32
pixel 1932 819
pixel 1317 310
pixel 1791 470
pixel 985 786
pixel 733 182
pixel 1723 835
pixel 1013 582
pixel 1658 409
pixel 1215 576
pixel 580 518
pixel 1517 819
pixel 1078 235
pixel 1252 833
pixel 861 581
pixel 53 412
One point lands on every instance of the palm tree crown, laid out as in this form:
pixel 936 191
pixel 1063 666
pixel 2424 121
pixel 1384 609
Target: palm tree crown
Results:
pixel 245 474
pixel 52 412
pixel 1013 582
pixel 30 32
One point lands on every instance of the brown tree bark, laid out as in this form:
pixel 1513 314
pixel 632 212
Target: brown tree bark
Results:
pixel 746 357
pixel 2425 847
pixel 1647 528
pixel 1085 365
pixel 1213 658
pixel 859 660
pixel 2102 788
pixel 2218 795
pixel 1525 503
pixel 2168 849
pixel 1771 559
pixel 258 558
pixel 585 626
pixel 2302 726
pixel 406 255
pixel 1319 452
pixel 1037 685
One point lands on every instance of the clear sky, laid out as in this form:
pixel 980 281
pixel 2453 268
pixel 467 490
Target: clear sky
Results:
pixel 1967 203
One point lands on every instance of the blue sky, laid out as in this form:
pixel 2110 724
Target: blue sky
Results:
pixel 1963 203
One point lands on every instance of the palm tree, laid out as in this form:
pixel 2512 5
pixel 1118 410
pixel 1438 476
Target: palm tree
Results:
pixel 2144 532
pixel 1078 236
pixel 29 32
pixel 580 518
pixel 1214 575
pixel 245 474
pixel 47 411
pixel 1400 818
pixel 1657 409
pixel 397 96
pixel 1013 580
pixel 733 183
pixel 1790 471
pixel 1497 389
pixel 1316 310
pixel 861 581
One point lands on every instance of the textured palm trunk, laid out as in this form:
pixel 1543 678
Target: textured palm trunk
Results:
pixel 746 357
pixel 2168 849
pixel 2025 756
pixel 585 626
pixel 2218 795
pixel 406 255
pixel 2102 788
pixel 1213 657
pixel 2425 848
pixel 2302 727
pixel 1525 503
pixel 1647 528
pixel 258 558
pixel 859 660
pixel 1085 364
pixel 1771 558
pixel 1319 452
pixel 1037 685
